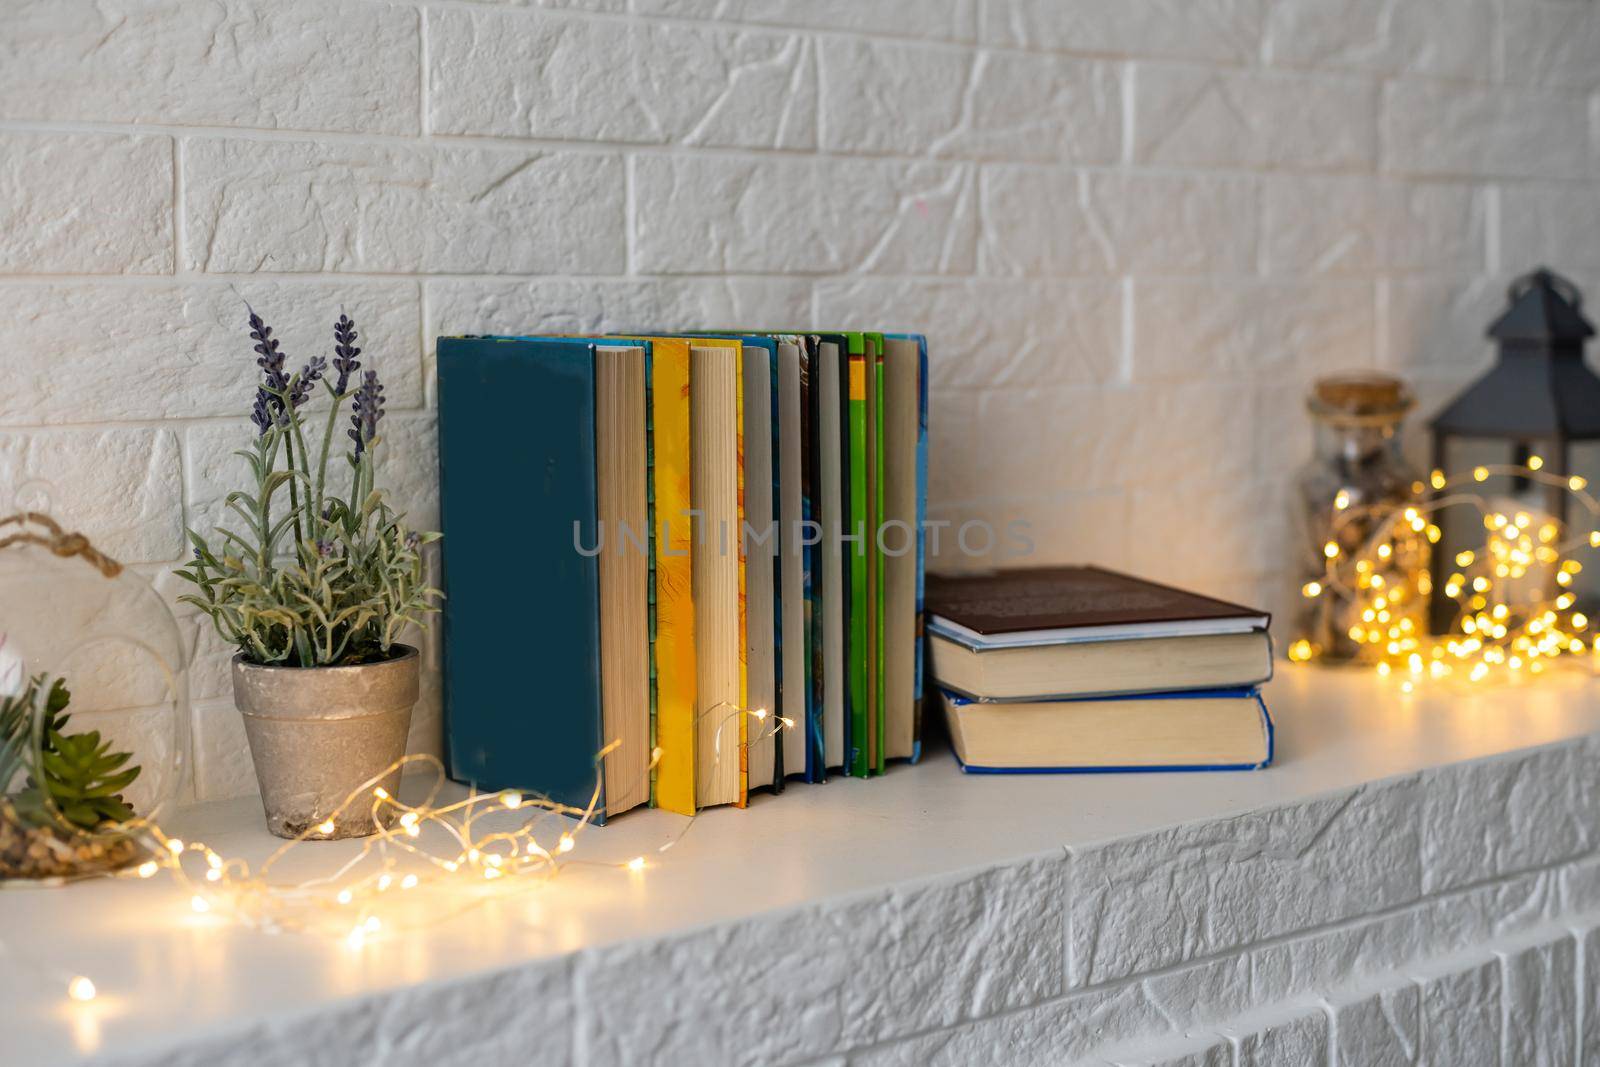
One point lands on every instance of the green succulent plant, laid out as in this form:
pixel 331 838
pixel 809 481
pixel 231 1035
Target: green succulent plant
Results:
pixel 72 776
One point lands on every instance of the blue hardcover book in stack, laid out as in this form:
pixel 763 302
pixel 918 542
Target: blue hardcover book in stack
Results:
pixel 1071 670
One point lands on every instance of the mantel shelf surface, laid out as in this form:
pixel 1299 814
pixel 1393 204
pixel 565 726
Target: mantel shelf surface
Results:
pixel 168 977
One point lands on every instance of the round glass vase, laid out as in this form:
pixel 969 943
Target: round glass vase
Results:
pixel 94 706
pixel 1361 561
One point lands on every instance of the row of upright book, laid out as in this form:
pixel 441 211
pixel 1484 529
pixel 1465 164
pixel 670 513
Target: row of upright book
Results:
pixel 704 552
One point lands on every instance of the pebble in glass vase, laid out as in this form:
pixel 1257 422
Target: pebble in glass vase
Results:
pixel 1356 482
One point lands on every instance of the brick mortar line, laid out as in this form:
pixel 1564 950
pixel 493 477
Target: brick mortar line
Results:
pixel 758 153
pixel 1255 59
pixel 1109 277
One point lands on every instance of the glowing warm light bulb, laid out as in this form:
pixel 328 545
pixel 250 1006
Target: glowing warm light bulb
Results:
pixel 1535 462
pixel 345 896
pixel 147 869
pixel 174 846
pixel 1311 589
pixel 81 989
pixel 214 874
pixel 325 827
pixel 566 844
pixel 1464 558
pixel 760 714
pixel 636 864
pixel 1480 474
pixel 408 882
pixel 384 882
pixel 1300 651
pixel 1580 621
pixel 381 793
pixel 788 723
pixel 1342 500
pixel 1577 483
pixel 200 904
pixel 512 800
pixel 1331 550
pixel 1437 479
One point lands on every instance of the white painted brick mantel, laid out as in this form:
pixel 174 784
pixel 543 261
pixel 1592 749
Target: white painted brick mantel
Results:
pixel 1416 881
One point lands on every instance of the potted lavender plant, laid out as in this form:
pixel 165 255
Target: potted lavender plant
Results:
pixel 314 589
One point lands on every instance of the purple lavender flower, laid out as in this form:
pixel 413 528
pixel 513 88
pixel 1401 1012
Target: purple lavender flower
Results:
pixel 368 409
pixel 309 375
pixel 270 358
pixel 261 413
pixel 345 352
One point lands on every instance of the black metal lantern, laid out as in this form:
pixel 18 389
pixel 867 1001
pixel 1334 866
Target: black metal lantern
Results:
pixel 1538 399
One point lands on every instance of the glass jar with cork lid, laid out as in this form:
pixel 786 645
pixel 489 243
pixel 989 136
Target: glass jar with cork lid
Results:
pixel 1358 556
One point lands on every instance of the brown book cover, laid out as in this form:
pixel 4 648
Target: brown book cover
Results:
pixel 1061 598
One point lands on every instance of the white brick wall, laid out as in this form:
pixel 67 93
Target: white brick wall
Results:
pixel 1134 229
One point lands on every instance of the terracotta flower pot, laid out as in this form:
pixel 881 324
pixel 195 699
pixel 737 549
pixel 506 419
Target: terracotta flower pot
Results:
pixel 318 733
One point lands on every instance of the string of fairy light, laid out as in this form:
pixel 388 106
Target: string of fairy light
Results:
pixel 505 837
pixel 1515 611
pixel 1505 624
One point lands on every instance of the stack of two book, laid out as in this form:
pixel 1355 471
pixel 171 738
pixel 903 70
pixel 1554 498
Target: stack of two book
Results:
pixel 704 549
pixel 1078 669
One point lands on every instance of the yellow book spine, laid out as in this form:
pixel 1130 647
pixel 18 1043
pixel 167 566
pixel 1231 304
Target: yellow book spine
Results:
pixel 675 637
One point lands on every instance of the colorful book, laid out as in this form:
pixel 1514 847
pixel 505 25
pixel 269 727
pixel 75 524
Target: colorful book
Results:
pixel 722 712
pixel 1078 631
pixel 576 412
pixel 899 543
pixel 1204 730
pixel 858 650
pixel 673 630
pixel 833 515
pixel 794 665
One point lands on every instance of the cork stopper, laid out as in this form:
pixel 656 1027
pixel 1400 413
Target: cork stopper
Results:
pixel 1360 397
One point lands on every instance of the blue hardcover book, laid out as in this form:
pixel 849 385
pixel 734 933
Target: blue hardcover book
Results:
pixel 1200 730
pixel 922 529
pixel 543 448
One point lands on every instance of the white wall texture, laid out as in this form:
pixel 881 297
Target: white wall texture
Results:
pixel 1133 229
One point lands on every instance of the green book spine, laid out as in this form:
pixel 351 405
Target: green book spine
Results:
pixel 859 653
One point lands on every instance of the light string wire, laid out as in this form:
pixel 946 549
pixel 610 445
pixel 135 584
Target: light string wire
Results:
pixel 448 841
pixel 1506 619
